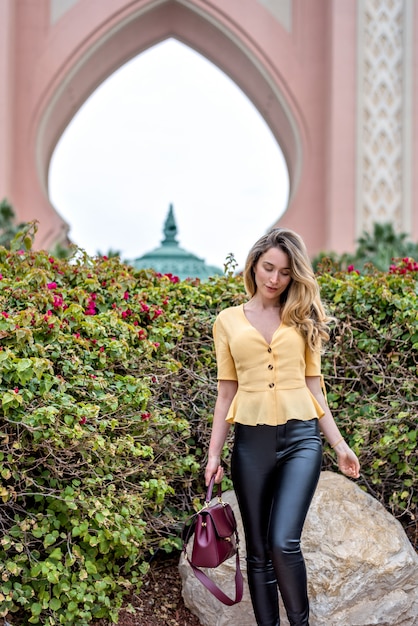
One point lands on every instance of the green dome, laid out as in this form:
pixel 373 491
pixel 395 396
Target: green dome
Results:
pixel 169 258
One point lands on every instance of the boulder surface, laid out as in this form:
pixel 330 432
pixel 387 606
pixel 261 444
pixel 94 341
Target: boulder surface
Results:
pixel 362 569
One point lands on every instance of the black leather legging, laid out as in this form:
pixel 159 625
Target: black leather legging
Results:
pixel 275 470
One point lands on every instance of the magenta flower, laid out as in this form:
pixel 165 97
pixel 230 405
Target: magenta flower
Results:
pixel 58 301
pixel 172 278
pixel 52 285
pixel 91 305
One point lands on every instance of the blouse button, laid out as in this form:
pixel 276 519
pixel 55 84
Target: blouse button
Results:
pixel 270 367
pixel 271 385
pixel 268 349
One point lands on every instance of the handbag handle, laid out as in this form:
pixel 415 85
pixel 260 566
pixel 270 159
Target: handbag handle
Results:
pixel 208 497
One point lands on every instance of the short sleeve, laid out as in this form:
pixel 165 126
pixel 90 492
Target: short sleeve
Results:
pixel 224 360
pixel 312 362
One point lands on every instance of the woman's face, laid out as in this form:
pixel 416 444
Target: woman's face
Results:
pixel 272 273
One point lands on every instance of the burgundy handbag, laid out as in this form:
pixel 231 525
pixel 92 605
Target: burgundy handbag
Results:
pixel 215 540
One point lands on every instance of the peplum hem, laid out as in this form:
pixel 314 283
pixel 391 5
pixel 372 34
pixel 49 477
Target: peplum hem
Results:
pixel 273 407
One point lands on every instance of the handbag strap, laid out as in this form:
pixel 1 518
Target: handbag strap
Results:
pixel 214 589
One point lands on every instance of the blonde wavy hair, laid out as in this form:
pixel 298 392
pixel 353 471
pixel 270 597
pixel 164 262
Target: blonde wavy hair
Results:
pixel 301 304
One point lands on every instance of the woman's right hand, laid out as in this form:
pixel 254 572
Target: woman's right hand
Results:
pixel 213 468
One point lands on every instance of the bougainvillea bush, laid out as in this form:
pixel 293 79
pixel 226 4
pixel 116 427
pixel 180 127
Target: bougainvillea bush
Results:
pixel 107 386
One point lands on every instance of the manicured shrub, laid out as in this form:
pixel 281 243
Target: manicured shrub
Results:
pixel 371 369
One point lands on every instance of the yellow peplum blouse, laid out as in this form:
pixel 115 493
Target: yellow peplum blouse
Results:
pixel 271 377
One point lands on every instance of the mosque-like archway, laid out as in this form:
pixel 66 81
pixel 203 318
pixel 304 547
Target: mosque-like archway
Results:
pixel 297 61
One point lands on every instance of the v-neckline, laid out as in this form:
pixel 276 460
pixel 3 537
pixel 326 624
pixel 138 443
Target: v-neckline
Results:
pixel 256 329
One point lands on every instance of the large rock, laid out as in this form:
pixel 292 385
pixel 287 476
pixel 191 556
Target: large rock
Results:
pixel 362 569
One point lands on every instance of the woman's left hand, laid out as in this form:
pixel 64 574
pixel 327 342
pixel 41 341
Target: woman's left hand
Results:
pixel 348 461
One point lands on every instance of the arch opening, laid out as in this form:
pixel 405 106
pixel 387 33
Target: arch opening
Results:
pixel 229 165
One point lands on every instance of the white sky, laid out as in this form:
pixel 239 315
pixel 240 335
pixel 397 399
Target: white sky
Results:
pixel 168 127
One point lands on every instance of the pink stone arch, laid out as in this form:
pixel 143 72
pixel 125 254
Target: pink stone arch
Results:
pixel 289 72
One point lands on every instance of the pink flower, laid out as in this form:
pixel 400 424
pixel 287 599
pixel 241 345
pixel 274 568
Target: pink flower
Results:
pixel 173 279
pixel 51 259
pixel 58 301
pixel 351 269
pixel 52 285
pixel 156 344
pixel 101 348
pixel 145 416
pixel 5 314
pixel 144 307
pixel 77 335
pixel 1 276
pixel 157 313
pixel 83 420
pixel 141 333
pixel 16 389
pixel 91 305
pixel 126 296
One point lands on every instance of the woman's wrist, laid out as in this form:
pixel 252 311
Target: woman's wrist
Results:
pixel 339 445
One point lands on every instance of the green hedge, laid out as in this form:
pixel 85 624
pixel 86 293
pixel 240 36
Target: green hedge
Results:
pixel 107 385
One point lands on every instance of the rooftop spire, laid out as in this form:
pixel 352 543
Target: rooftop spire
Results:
pixel 170 258
pixel 170 229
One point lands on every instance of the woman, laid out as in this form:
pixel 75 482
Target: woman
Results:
pixel 269 386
